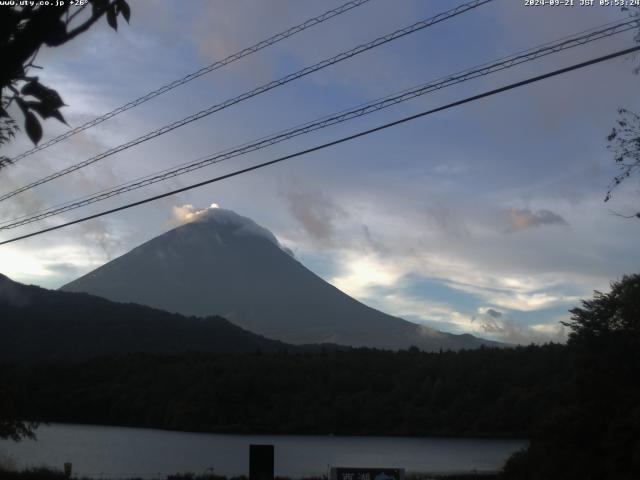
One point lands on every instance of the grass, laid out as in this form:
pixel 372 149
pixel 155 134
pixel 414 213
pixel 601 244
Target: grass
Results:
pixel 49 474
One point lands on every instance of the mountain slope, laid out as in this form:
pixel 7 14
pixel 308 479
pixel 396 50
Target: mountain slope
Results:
pixel 40 324
pixel 225 264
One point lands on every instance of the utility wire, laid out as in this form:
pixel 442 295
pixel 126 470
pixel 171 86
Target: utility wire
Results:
pixel 192 76
pixel 336 142
pixel 257 91
pixel 485 69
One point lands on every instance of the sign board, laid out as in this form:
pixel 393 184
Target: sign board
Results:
pixel 353 473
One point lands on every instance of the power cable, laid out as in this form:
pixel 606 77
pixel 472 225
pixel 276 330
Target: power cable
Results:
pixel 343 116
pixel 335 142
pixel 257 91
pixel 192 76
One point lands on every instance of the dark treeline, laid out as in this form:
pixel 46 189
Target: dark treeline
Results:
pixel 486 392
pixel 578 404
pixel 48 474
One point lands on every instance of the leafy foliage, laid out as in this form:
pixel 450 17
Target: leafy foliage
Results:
pixel 616 312
pixel 595 432
pixel 24 29
pixel 624 142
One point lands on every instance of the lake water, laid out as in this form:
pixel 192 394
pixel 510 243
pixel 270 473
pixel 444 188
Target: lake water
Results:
pixel 116 452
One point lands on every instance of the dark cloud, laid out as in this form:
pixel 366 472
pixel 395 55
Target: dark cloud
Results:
pixel 316 213
pixel 523 218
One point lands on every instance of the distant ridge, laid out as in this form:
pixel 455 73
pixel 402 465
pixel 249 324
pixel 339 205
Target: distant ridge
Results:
pixel 39 324
pixel 225 264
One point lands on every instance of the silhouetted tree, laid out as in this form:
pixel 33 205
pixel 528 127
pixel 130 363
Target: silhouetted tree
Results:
pixel 24 29
pixel 615 312
pixel 595 431
pixel 10 427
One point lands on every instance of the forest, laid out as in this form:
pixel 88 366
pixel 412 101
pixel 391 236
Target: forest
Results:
pixel 578 404
pixel 488 392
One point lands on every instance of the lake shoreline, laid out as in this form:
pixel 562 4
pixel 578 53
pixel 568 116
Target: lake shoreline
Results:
pixel 124 452
pixel 280 434
pixel 51 474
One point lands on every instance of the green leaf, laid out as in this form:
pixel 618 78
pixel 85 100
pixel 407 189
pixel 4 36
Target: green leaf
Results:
pixel 123 8
pixel 32 127
pixel 112 17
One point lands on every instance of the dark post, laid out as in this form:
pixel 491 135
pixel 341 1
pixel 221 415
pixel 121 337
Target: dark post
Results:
pixel 260 462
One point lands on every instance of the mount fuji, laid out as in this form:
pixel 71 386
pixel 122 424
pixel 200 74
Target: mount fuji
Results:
pixel 221 263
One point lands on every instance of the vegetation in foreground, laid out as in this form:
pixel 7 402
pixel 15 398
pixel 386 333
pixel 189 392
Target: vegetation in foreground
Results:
pixel 595 432
pixel 578 404
pixel 48 474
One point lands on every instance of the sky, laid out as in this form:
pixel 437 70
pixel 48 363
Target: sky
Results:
pixel 487 218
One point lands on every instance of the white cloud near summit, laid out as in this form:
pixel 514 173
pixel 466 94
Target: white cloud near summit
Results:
pixel 188 213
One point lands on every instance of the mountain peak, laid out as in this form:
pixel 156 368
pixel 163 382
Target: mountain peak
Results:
pixel 217 263
pixel 220 218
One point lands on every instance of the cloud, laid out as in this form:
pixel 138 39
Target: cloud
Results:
pixel 98 233
pixel 24 203
pixel 361 274
pixel 480 263
pixel 49 264
pixel 428 202
pixel 521 219
pixel 316 213
pixel 188 213
pixel 63 268
pixel 502 327
pixel 425 311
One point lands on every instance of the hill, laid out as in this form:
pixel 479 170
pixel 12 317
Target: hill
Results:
pixel 39 324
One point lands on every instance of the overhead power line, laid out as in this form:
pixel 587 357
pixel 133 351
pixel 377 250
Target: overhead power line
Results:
pixel 257 91
pixel 581 38
pixel 335 142
pixel 329 14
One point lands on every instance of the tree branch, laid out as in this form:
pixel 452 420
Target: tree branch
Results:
pixel 79 10
pixel 95 16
